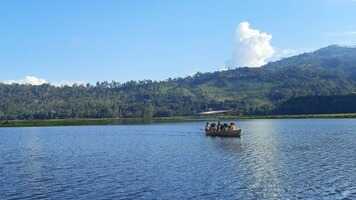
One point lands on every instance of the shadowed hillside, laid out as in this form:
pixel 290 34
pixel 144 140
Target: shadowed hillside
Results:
pixel 318 105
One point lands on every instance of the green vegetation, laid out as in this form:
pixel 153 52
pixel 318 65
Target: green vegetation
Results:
pixel 318 105
pixel 103 121
pixel 248 91
pixel 115 121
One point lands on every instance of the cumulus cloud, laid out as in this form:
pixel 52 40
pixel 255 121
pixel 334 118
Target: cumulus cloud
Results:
pixel 28 80
pixel 252 47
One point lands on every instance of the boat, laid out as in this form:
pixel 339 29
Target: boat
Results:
pixel 227 133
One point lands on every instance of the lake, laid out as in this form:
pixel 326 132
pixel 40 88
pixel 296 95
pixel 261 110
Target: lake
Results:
pixel 274 159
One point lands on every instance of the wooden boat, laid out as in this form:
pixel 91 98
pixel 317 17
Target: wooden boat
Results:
pixel 228 133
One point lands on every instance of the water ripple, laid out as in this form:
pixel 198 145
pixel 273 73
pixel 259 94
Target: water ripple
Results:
pixel 275 159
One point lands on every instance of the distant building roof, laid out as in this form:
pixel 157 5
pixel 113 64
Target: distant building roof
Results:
pixel 215 112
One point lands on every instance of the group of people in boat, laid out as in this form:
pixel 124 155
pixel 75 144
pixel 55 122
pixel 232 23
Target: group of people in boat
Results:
pixel 220 127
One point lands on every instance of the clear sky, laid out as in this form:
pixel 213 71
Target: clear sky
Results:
pixel 81 40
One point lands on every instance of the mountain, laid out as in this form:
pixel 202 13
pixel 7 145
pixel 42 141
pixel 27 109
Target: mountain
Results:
pixel 326 72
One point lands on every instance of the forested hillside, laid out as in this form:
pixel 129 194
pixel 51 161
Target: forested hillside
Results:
pixel 326 72
pixel 318 105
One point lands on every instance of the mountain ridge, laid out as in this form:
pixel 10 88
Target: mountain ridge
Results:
pixel 325 72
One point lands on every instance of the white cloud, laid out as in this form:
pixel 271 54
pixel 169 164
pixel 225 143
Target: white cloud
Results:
pixel 67 83
pixel 32 80
pixel 285 53
pixel 252 47
pixel 28 80
pixel 344 38
pixel 341 34
pixel 223 68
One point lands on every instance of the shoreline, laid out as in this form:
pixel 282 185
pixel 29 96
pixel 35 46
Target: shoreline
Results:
pixel 122 121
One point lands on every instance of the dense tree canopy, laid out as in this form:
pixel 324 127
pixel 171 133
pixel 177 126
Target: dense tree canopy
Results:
pixel 318 105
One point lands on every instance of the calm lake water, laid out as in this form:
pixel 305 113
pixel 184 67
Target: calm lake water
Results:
pixel 274 159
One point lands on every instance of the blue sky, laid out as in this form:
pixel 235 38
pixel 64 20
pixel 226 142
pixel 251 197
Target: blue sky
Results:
pixel 72 40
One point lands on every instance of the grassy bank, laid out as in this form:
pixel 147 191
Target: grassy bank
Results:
pixel 113 121
pixel 306 116
pixel 82 122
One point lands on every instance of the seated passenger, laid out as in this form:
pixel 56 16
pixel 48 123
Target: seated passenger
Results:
pixel 225 127
pixel 233 126
pixel 213 127
pixel 219 126
pixel 207 126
